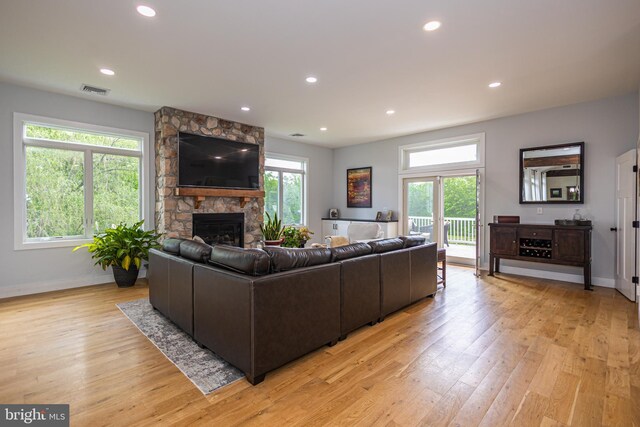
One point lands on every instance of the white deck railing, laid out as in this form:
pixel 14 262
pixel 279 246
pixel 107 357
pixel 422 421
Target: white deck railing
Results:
pixel 461 230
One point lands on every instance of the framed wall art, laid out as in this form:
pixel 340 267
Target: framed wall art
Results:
pixel 359 187
pixel 555 193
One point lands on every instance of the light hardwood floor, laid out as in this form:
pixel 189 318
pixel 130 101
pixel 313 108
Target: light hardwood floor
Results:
pixel 490 351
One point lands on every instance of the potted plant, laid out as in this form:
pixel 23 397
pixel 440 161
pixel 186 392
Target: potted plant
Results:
pixel 295 237
pixel 122 248
pixel 272 230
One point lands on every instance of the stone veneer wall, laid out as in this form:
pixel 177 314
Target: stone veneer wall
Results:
pixel 173 214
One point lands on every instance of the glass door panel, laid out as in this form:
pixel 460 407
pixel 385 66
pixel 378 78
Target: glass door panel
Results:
pixel 459 217
pixel 421 199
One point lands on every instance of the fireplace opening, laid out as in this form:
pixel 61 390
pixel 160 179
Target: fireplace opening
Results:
pixel 220 228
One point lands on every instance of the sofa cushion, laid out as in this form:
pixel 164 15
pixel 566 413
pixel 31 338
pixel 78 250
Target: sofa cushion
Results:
pixel 411 241
pixel 283 259
pixel 350 251
pixel 172 245
pixel 254 262
pixel 386 245
pixel 195 251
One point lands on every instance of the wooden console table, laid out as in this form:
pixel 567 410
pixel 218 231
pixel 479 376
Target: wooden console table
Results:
pixel 551 244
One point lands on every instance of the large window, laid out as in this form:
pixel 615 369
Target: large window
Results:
pixel 73 180
pixel 285 188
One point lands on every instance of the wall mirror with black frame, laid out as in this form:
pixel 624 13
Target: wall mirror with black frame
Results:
pixel 552 174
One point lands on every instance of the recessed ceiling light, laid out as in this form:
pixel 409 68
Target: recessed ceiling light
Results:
pixel 390 112
pixel 107 71
pixel 245 109
pixel 311 79
pixel 146 11
pixel 323 129
pixel 495 84
pixel 431 26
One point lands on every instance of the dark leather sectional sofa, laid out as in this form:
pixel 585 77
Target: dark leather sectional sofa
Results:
pixel 260 309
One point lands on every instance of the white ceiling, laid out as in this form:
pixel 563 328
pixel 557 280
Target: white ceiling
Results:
pixel 369 56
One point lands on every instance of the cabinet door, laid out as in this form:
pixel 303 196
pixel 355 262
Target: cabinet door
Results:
pixel 341 228
pixel 503 241
pixel 568 245
pixel 328 228
pixel 390 230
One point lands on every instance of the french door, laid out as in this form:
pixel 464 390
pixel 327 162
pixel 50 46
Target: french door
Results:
pixel 422 205
pixel 446 209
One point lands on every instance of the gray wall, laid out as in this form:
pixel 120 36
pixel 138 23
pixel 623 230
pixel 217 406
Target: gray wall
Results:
pixel 37 270
pixel 608 126
pixel 320 190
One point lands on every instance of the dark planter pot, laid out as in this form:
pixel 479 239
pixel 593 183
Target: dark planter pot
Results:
pixel 125 278
pixel 273 242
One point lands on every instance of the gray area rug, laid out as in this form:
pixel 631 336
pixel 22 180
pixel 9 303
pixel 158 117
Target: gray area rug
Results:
pixel 204 368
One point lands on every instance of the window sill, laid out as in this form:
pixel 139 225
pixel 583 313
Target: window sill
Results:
pixel 49 244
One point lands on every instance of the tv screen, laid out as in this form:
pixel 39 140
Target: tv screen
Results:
pixel 205 161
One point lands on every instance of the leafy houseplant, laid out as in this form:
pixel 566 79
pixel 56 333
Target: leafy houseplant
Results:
pixel 123 248
pixel 272 230
pixel 295 237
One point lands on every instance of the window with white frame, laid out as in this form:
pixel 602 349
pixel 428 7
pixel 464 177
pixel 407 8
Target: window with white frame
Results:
pixel 451 153
pixel 285 188
pixel 73 180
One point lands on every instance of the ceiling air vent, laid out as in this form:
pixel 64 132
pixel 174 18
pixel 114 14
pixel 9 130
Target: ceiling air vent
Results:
pixel 94 90
pixel 297 135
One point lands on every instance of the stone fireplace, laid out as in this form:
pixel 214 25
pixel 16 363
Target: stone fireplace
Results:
pixel 220 228
pixel 174 208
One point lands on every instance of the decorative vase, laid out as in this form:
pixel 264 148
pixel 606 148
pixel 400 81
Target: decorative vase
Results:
pixel 125 278
pixel 273 242
pixel 302 243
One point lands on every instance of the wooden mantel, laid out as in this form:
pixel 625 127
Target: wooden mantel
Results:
pixel 199 194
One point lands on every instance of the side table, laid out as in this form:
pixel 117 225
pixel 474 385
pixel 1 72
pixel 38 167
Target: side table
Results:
pixel 442 259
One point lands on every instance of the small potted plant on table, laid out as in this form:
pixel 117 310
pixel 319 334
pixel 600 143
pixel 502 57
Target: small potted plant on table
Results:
pixel 122 248
pixel 295 237
pixel 272 230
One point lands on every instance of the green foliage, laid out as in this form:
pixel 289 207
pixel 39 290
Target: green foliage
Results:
pixel 295 237
pixel 122 245
pixel 55 186
pixel 116 196
pixel 82 137
pixel 272 228
pixel 420 199
pixel 271 192
pixel 55 192
pixel 460 197
pixel 292 197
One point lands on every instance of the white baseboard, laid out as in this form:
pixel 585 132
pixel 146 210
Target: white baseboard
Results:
pixel 59 284
pixel 553 275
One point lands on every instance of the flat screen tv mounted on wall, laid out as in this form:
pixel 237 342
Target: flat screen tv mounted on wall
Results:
pixel 205 161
